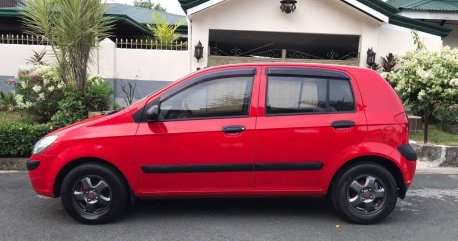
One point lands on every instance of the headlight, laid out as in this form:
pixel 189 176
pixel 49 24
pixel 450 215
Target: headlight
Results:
pixel 43 144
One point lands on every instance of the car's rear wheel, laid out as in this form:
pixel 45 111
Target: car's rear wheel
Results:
pixel 365 193
pixel 93 193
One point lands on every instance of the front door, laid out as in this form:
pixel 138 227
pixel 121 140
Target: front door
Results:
pixel 307 118
pixel 203 142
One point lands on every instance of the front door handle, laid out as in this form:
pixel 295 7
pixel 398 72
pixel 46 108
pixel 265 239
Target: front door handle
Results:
pixel 233 129
pixel 342 124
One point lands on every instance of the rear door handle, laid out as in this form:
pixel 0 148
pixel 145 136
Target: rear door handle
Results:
pixel 342 124
pixel 233 129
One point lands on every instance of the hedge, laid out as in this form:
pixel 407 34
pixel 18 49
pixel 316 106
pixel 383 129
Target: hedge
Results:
pixel 17 139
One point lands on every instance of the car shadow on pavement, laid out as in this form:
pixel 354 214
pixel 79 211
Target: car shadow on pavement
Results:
pixel 319 208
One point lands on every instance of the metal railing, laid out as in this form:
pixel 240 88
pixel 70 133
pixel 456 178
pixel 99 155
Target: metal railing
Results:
pixel 151 44
pixel 23 39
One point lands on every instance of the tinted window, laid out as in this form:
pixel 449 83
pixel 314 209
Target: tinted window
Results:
pixel 216 98
pixel 308 95
pixel 340 96
pixel 295 95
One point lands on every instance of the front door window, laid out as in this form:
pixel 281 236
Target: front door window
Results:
pixel 220 98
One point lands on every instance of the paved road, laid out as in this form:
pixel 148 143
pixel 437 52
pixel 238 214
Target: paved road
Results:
pixel 430 212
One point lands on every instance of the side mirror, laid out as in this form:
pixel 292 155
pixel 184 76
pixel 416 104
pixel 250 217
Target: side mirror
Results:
pixel 152 113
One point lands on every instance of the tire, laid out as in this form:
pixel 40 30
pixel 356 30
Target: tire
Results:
pixel 94 193
pixel 357 193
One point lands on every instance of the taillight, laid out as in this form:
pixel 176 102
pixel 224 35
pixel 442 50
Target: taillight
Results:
pixel 402 119
pixel 403 122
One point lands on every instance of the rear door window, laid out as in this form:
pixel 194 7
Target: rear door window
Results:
pixel 302 95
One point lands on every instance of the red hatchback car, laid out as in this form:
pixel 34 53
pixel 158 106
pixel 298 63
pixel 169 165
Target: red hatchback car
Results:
pixel 236 131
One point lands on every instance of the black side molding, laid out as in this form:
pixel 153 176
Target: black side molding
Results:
pixel 293 166
pixel 32 165
pixel 408 152
pixel 198 168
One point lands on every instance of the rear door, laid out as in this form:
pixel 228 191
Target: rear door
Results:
pixel 204 139
pixel 307 117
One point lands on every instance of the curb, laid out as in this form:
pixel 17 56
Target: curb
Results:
pixel 436 155
pixel 13 164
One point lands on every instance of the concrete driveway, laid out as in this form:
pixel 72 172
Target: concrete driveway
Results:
pixel 430 212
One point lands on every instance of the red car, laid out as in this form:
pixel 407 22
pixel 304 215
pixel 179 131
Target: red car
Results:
pixel 235 131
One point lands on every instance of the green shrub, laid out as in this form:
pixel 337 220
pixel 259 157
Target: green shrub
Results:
pixel 98 94
pixel 447 116
pixel 7 101
pixel 427 78
pixel 39 91
pixel 70 110
pixel 17 139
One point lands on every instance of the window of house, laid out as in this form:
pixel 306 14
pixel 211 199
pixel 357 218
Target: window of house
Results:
pixel 225 97
pixel 290 95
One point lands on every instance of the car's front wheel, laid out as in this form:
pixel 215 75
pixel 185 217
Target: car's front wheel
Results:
pixel 365 193
pixel 93 193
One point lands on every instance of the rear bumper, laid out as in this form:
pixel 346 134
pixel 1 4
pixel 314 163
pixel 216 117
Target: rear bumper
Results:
pixel 408 168
pixel 408 152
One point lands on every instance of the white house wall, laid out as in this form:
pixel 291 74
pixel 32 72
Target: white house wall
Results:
pixel 398 40
pixel 12 56
pixel 311 16
pixel 151 69
pixel 452 39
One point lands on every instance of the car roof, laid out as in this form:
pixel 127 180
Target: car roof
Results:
pixel 289 64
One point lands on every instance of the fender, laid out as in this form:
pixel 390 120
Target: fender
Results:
pixel 118 152
pixel 364 149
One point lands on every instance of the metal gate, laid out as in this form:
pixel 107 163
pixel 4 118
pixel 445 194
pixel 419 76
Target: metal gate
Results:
pixel 218 57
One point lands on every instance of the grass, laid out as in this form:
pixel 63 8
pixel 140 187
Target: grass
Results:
pixel 436 136
pixel 10 116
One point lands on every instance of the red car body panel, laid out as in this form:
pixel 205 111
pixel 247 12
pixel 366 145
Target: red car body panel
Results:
pixel 305 138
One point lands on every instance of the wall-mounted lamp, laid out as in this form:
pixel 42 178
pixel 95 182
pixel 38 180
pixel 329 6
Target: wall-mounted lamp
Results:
pixel 288 6
pixel 370 57
pixel 198 51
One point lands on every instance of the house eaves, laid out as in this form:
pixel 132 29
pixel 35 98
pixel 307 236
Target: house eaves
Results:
pixel 120 18
pixel 117 18
pixel 432 5
pixel 374 6
pixel 427 9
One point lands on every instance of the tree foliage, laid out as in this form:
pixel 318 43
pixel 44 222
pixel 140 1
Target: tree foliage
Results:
pixel 149 5
pixel 163 30
pixel 72 28
pixel 427 78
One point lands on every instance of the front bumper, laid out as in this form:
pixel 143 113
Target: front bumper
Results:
pixel 32 165
pixel 42 172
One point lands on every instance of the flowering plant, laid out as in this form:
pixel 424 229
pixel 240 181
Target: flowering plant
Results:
pixel 427 78
pixel 98 94
pixel 38 90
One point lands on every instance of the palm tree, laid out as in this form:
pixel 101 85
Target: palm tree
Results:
pixel 72 28
pixel 163 30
